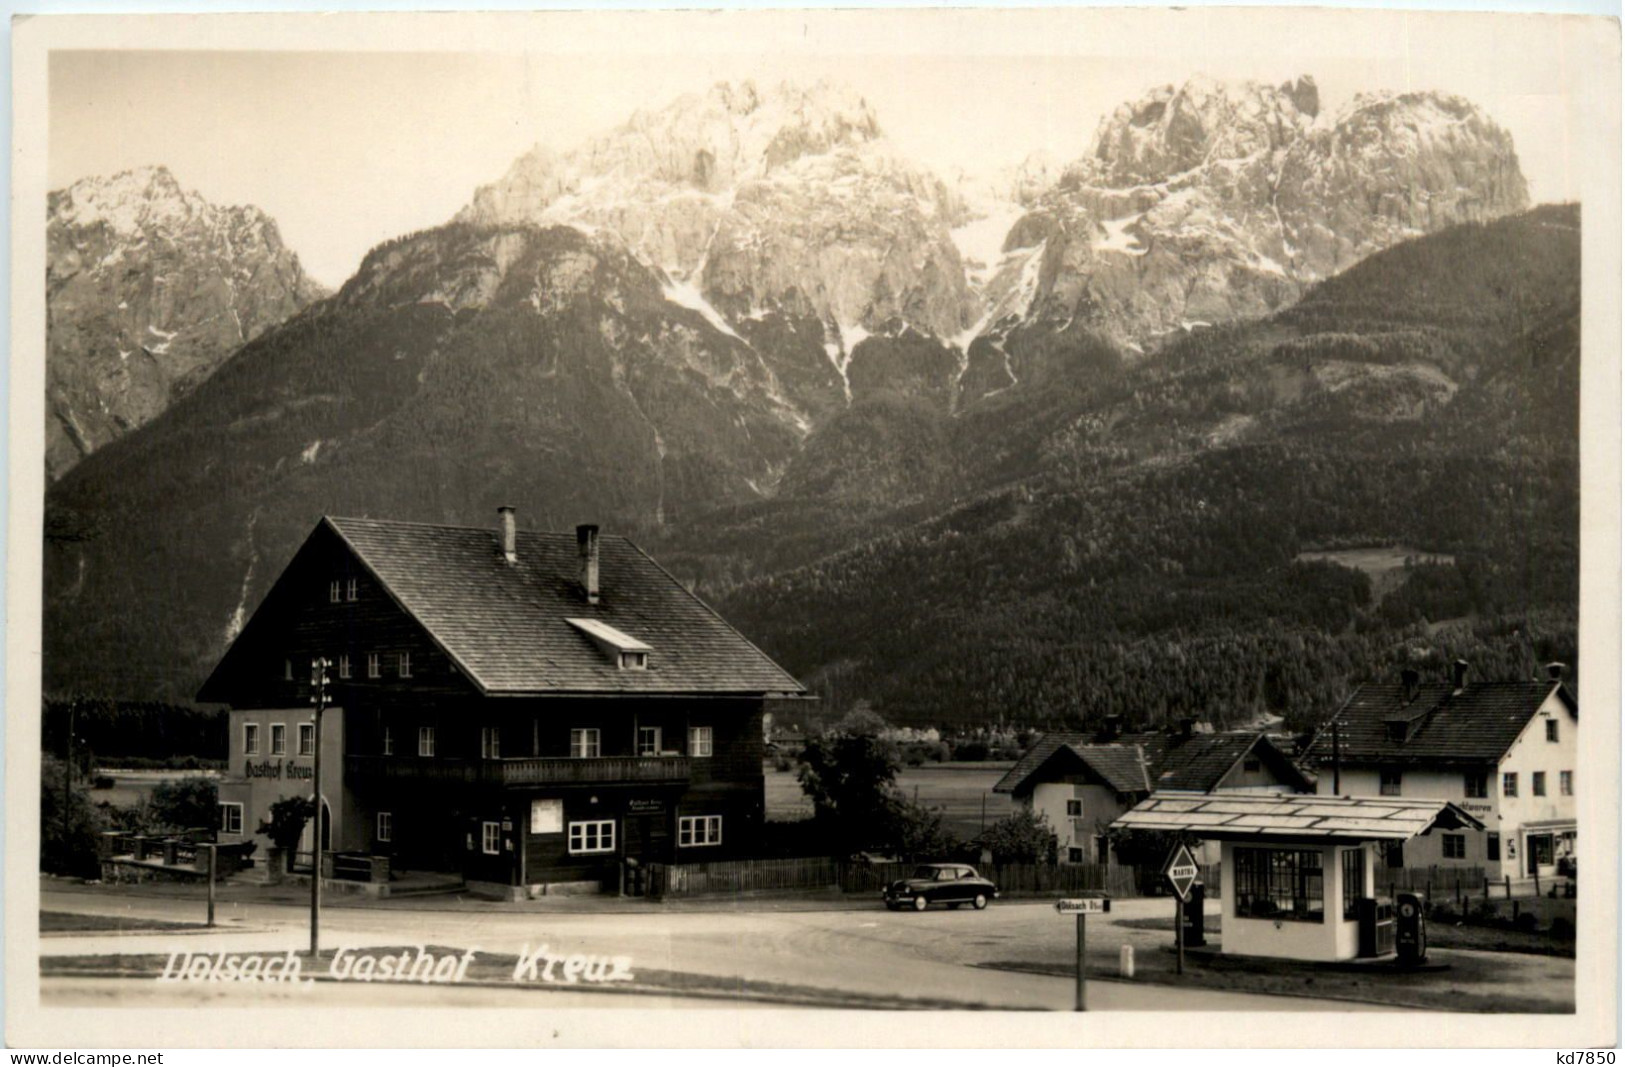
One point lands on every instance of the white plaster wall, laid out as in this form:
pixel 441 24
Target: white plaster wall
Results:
pixel 1332 939
pixel 1531 753
pixel 1434 784
pixel 257 794
pixel 1100 807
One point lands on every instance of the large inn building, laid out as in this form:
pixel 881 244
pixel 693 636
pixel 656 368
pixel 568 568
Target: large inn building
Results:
pixel 527 709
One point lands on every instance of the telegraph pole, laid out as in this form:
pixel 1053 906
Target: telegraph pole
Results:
pixel 318 697
pixel 67 778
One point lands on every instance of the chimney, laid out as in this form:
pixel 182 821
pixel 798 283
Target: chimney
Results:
pixel 1555 671
pixel 1186 727
pixel 587 549
pixel 1111 727
pixel 507 534
pixel 1412 682
pixel 1458 675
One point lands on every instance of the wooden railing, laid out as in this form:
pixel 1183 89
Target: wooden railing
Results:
pixel 524 770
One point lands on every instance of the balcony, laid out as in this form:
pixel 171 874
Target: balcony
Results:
pixel 603 770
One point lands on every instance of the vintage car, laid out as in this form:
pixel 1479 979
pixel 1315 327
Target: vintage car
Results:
pixel 952 884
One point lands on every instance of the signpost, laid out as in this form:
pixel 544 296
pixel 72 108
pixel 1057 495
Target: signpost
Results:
pixel 1083 907
pixel 1181 872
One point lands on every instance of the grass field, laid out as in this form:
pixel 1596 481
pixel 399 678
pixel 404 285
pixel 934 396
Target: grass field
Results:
pixel 132 787
pixel 960 789
pixel 1384 566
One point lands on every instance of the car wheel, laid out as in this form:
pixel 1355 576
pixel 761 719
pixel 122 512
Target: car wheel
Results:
pixel 919 903
pixel 980 902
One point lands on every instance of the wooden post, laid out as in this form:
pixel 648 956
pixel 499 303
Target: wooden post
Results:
pixel 1509 886
pixel 1082 1004
pixel 212 870
pixel 1179 935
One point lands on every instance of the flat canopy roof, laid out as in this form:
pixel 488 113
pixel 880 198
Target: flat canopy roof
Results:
pixel 1249 816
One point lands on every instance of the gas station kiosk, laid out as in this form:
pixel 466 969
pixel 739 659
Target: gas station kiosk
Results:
pixel 1300 872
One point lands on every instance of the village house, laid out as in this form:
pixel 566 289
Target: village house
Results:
pixel 527 709
pixel 1505 752
pixel 1081 783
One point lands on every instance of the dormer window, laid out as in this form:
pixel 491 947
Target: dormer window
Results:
pixel 1397 729
pixel 623 650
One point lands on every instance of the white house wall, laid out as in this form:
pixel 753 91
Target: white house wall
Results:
pixel 1531 753
pixel 1100 807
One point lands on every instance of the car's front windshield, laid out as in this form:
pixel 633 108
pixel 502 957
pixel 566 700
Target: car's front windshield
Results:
pixel 925 872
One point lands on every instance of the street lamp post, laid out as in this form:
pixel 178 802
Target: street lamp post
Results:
pixel 318 697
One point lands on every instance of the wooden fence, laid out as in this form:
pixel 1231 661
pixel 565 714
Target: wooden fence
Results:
pixel 742 876
pixel 1430 882
pixel 1013 880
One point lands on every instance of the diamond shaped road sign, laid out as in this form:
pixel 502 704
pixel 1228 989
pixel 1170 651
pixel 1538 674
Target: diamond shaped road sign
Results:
pixel 1181 871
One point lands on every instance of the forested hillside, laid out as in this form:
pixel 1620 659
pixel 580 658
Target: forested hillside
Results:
pixel 1140 556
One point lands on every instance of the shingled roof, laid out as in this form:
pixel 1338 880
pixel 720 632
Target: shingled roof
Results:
pixel 505 625
pixel 1123 767
pixel 1473 725
pixel 1255 816
pixel 1202 762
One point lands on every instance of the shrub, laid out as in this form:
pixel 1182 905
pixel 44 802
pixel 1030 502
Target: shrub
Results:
pixel 185 803
pixel 102 781
pixel 1562 929
pixel 973 751
pixel 1525 921
pixel 782 764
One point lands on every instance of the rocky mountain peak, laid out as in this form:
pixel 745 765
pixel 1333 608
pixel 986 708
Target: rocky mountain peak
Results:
pixel 149 287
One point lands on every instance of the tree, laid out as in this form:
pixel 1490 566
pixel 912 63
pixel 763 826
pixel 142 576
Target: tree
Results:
pixel 185 803
pixel 1021 837
pixel 851 778
pixel 287 823
pixel 69 850
pixel 917 832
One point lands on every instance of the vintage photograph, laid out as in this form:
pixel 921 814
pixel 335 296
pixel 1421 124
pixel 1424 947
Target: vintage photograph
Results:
pixel 1066 511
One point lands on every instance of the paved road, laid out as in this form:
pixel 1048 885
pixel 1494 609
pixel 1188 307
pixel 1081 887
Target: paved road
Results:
pixel 840 946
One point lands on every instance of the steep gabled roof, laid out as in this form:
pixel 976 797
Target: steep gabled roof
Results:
pixel 1475 725
pixel 507 626
pixel 1122 767
pixel 1204 760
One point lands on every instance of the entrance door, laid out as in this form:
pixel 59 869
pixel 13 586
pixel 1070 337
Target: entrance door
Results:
pixel 1540 854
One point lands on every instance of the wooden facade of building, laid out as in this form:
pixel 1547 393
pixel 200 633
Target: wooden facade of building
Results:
pixel 530 709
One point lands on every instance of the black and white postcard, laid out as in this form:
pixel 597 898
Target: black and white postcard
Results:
pixel 658 527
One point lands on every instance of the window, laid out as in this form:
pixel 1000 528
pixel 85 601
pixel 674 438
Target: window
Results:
pixel 491 742
pixel 1074 855
pixel 1475 784
pixel 389 741
pixel 699 740
pixel 231 818
pixel 287 670
pixel 344 666
pixel 1455 846
pixel 1509 784
pixel 350 589
pixel 1251 766
pixel 634 661
pixel 648 740
pixel 1492 847
pixel 307 738
pixel 597 836
pixel 1537 784
pixel 1565 783
pixel 1390 782
pixel 695 831
pixel 1551 729
pixel 584 743
pixel 279 739
pixel 1353 882
pixel 1074 809
pixel 251 738
pixel 386 826
pixel 333 591
pixel 491 838
pixel 372 665
pixel 425 740
pixel 404 664
pixel 1279 883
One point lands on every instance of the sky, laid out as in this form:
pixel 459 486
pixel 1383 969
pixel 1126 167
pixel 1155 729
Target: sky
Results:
pixel 349 146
